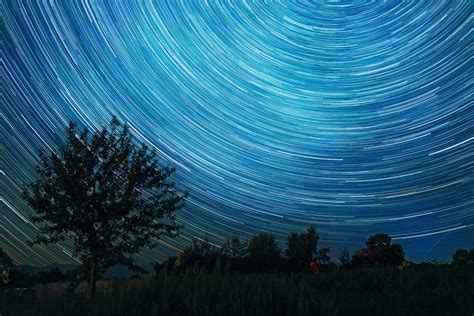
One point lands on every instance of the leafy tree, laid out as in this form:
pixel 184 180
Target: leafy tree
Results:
pixel 234 248
pixel 322 256
pixel 201 247
pixel 264 253
pixel 359 258
pixel 379 252
pixel 379 240
pixel 463 257
pixel 301 249
pixel 324 260
pixel 344 258
pixel 106 195
pixel 200 255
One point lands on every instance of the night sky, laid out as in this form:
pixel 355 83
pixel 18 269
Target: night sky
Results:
pixel 355 118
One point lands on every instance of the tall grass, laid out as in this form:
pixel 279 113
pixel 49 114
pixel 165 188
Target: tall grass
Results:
pixel 433 291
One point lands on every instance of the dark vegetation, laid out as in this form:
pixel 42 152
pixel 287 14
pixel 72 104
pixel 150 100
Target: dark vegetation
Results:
pixel 108 198
pixel 429 290
pixel 231 280
pixel 263 255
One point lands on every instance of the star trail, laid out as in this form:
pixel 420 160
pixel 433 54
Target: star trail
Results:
pixel 356 118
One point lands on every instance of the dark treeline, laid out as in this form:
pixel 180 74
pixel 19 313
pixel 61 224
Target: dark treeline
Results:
pixel 262 254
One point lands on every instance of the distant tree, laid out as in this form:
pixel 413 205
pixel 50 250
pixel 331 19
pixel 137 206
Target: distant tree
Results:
pixel 234 248
pixel 323 256
pixel 324 260
pixel 169 265
pixel 359 259
pixel 344 258
pixel 5 264
pixel 301 249
pixel 201 247
pixel 379 252
pixel 463 257
pixel 264 253
pixel 106 195
pixel 201 255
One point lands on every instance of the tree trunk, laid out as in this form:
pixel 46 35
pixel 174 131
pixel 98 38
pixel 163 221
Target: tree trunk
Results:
pixel 93 278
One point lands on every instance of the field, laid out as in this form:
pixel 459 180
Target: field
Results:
pixel 428 291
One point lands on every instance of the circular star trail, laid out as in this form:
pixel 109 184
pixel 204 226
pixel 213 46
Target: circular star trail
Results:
pixel 355 118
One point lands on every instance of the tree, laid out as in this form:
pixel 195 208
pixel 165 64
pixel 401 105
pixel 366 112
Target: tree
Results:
pixel 463 257
pixel 344 258
pixel 379 240
pixel 234 248
pixel 5 264
pixel 200 255
pixel 264 253
pixel 324 260
pixel 379 252
pixel 106 195
pixel 301 249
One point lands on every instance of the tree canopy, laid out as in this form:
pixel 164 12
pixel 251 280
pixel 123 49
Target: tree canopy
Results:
pixel 301 249
pixel 264 251
pixel 379 252
pixel 106 195
pixel 234 248
pixel 463 257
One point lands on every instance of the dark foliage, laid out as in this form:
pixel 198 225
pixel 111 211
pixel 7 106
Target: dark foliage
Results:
pixel 19 278
pixel 5 260
pixel 260 255
pixel 379 253
pixel 301 249
pixel 344 258
pixel 5 264
pixel 438 290
pixel 234 248
pixel 200 256
pixel 324 260
pixel 463 257
pixel 105 195
pixel 264 253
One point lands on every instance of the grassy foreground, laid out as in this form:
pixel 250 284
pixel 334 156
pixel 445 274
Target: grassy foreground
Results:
pixel 433 291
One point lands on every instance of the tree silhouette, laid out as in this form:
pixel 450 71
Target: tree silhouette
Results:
pixel 463 257
pixel 106 195
pixel 234 248
pixel 344 258
pixel 324 260
pixel 201 255
pixel 264 253
pixel 301 249
pixel 379 252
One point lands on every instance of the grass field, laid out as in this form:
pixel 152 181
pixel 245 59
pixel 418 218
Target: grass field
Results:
pixel 428 291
